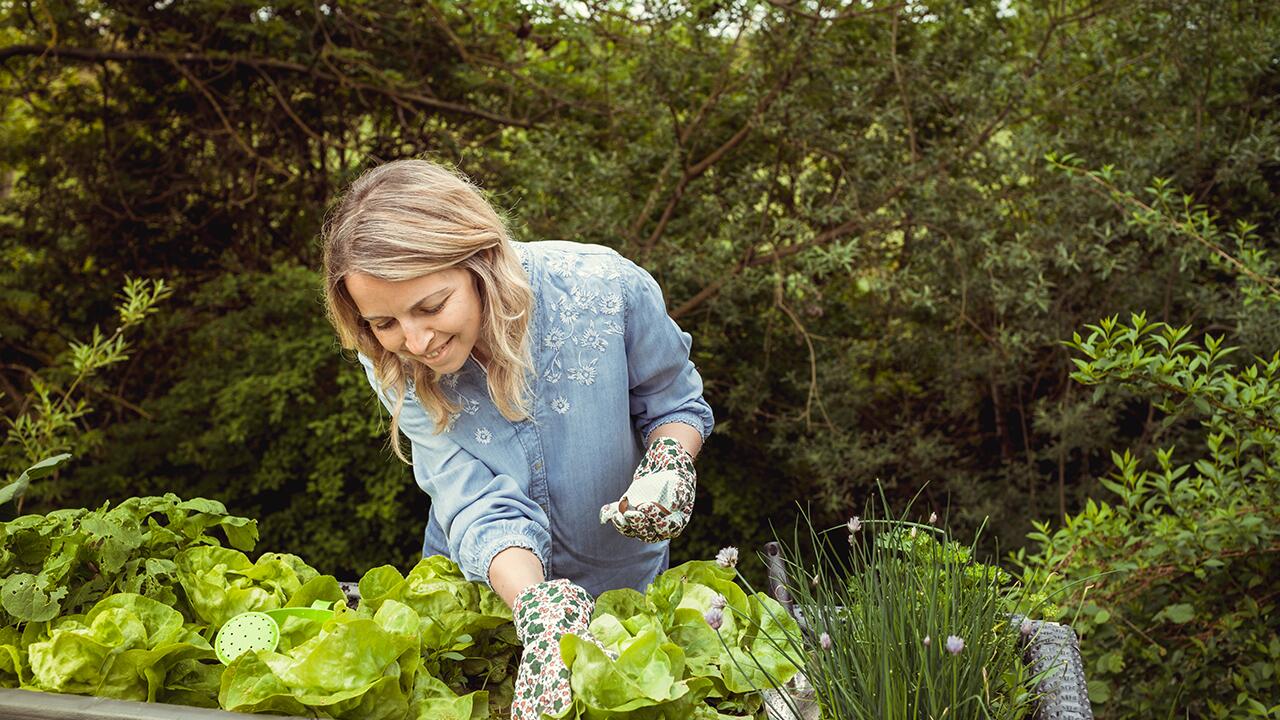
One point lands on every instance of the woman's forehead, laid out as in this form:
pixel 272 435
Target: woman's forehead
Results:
pixel 376 297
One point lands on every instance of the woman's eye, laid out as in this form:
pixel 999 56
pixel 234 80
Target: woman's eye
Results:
pixel 426 311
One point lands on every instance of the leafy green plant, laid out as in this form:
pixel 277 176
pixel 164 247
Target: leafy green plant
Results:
pixel 123 602
pixel 903 622
pixel 122 648
pixel 39 437
pixel 265 415
pixel 1180 567
pixel 65 561
pixel 1172 580
pixel 663 655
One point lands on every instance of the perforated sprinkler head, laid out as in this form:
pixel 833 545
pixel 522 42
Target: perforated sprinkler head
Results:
pixel 251 631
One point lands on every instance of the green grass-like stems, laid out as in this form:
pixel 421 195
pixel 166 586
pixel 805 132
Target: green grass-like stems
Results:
pixel 901 622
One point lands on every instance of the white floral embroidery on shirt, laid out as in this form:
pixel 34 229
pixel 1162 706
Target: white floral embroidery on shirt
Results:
pixel 554 371
pixel 449 380
pixel 611 304
pixel 591 338
pixel 568 312
pixel 483 436
pixel 584 373
pixel 575 318
pixel 469 406
pixel 562 266
pixel 582 299
pixel 555 338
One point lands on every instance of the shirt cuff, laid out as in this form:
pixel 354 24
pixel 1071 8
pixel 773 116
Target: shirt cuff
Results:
pixel 498 536
pixel 692 419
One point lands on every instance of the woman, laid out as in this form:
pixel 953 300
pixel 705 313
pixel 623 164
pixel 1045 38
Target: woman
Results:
pixel 551 407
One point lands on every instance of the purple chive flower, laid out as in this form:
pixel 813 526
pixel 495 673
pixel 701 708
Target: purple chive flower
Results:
pixel 854 524
pixel 1027 628
pixel 954 644
pixel 727 557
pixel 718 602
pixel 714 618
pixel 933 518
pixel 825 641
pixel 927 641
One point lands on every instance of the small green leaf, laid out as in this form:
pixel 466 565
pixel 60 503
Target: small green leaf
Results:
pixel 28 597
pixel 1180 613
pixel 1099 691
pixel 18 487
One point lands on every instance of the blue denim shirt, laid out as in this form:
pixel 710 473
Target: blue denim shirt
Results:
pixel 610 366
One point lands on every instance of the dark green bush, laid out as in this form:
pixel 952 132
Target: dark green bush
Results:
pixel 1172 582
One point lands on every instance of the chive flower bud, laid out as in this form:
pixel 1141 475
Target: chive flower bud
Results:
pixel 714 618
pixel 825 641
pixel 727 557
pixel 718 602
pixel 954 644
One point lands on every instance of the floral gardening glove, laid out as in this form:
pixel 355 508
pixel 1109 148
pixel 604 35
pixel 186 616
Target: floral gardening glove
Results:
pixel 658 503
pixel 543 613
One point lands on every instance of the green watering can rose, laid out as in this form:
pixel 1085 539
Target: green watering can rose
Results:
pixel 250 631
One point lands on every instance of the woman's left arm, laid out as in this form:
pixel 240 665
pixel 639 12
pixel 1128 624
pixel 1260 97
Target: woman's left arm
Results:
pixel 669 412
pixel 665 387
pixel 689 439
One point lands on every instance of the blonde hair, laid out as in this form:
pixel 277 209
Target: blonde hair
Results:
pixel 409 218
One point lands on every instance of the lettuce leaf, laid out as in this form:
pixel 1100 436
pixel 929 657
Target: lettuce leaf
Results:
pixel 354 667
pixel 727 668
pixel 433 700
pixel 221 583
pixel 645 681
pixel 449 605
pixel 122 648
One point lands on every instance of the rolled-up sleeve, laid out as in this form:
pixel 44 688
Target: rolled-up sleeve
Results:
pixel 480 512
pixel 665 385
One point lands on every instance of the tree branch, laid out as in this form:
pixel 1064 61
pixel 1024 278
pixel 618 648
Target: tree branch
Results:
pixel 96 55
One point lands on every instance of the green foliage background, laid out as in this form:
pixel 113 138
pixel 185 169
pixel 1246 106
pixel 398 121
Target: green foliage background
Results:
pixel 847 206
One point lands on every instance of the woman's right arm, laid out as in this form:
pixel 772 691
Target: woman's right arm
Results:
pixel 495 532
pixel 513 571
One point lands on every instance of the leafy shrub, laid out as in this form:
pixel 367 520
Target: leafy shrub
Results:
pixel 264 414
pixel 1172 584
pixel 40 437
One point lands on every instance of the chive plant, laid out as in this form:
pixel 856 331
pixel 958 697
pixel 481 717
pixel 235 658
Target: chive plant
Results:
pixel 900 622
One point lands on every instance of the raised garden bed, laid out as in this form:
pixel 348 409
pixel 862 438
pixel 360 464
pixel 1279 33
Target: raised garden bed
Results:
pixel 1063 694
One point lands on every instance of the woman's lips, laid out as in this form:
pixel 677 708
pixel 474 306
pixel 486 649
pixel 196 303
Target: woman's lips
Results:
pixel 439 352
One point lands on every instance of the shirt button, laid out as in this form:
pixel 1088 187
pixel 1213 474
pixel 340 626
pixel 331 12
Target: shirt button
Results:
pixel 537 466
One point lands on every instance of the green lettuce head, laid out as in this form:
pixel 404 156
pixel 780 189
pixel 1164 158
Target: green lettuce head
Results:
pixel 122 648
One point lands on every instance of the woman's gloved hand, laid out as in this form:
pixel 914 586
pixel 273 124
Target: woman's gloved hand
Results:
pixel 658 503
pixel 543 613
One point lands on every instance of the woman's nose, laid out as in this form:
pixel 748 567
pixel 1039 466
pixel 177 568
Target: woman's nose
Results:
pixel 418 339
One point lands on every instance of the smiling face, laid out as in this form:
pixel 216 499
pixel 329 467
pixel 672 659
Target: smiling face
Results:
pixel 434 319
